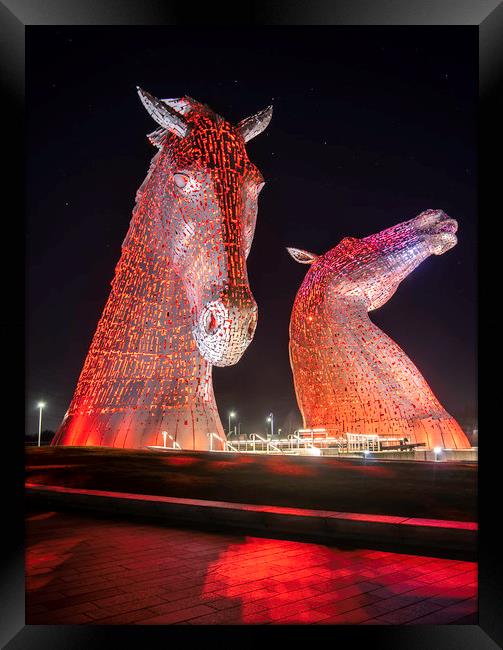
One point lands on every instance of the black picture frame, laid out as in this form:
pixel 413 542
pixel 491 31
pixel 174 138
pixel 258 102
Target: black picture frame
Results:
pixel 485 16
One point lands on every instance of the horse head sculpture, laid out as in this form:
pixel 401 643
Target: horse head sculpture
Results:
pixel 208 215
pixel 349 376
pixel 180 300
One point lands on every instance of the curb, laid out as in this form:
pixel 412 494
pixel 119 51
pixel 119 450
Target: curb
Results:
pixel 445 538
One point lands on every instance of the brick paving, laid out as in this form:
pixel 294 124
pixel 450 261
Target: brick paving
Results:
pixel 85 570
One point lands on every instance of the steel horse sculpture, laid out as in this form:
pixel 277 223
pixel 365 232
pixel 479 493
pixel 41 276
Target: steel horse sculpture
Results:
pixel 180 300
pixel 349 376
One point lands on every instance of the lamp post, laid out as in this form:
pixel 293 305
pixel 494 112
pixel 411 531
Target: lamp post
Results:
pixel 40 407
pixel 271 420
pixel 231 415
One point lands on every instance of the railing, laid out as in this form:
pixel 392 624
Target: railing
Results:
pixel 306 443
pixel 225 443
pixel 255 443
pixel 229 447
pixel 313 442
pixel 310 441
pixel 318 439
pixel 362 442
pixel 269 444
pixel 175 444
pixel 214 435
pixel 291 443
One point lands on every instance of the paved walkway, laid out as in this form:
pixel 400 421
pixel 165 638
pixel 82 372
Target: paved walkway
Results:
pixel 85 570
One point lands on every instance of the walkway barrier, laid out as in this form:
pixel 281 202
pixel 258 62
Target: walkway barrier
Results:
pixel 361 442
pixel 165 435
pixel 311 441
pixel 175 445
pixel 270 446
pixel 225 443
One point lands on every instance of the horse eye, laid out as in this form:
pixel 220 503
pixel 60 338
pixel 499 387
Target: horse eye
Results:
pixel 180 180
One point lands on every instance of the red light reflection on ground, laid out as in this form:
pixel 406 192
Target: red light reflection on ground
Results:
pixel 182 462
pixel 288 469
pixel 41 562
pixel 83 570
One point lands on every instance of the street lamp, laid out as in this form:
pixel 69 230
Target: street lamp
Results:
pixel 40 406
pixel 231 415
pixel 271 420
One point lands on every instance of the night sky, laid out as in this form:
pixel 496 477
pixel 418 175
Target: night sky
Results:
pixel 371 126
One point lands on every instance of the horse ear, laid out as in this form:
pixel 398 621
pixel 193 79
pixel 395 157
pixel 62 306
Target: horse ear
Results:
pixel 163 114
pixel 252 126
pixel 301 256
pixel 184 105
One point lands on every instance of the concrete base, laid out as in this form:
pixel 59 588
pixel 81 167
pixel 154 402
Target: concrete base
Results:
pixel 448 455
pixel 398 534
pixel 404 488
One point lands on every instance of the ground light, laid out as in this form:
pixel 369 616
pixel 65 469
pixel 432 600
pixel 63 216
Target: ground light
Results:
pixel 437 451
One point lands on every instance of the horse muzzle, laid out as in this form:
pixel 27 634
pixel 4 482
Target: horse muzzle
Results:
pixel 223 332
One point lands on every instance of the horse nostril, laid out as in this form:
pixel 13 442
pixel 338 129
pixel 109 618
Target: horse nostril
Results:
pixel 210 323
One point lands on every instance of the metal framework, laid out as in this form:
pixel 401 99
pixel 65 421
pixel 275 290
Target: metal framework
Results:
pixel 349 376
pixel 180 299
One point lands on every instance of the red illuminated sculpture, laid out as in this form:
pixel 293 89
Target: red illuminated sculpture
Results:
pixel 180 300
pixel 349 376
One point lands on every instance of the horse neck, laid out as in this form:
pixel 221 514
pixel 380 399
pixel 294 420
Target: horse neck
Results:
pixel 380 365
pixel 145 331
pixel 360 358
